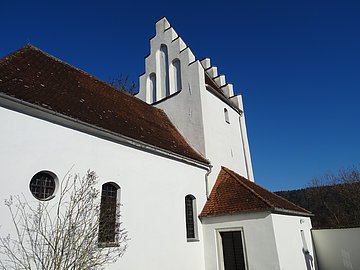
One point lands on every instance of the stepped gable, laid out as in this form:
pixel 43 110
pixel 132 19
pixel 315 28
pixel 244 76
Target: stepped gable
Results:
pixel 234 194
pixel 216 81
pixel 218 85
pixel 35 77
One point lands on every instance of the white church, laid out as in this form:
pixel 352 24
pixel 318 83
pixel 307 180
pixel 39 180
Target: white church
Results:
pixel 176 153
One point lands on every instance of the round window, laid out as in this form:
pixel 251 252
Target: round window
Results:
pixel 43 185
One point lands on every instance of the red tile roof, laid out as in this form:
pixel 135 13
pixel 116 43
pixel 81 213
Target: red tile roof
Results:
pixel 35 77
pixel 233 194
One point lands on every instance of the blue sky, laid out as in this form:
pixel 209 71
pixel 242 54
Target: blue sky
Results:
pixel 297 64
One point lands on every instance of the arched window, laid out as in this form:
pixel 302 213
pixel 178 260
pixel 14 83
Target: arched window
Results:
pixel 176 75
pixel 190 215
pixel 152 88
pixel 108 224
pixel 164 71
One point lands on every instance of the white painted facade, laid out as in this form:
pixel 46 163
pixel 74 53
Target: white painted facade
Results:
pixel 226 143
pixel 271 241
pixel 152 198
pixel 337 249
pixel 149 196
pixel 258 234
pixel 182 106
pixel 195 109
pixel 294 250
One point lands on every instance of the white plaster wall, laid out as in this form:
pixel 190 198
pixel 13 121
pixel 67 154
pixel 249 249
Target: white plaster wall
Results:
pixel 182 107
pixel 223 141
pixel 337 249
pixel 289 242
pixel 197 113
pixel 246 147
pixel 260 246
pixel 153 188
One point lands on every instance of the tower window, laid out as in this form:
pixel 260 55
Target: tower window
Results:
pixel 108 223
pixel 226 115
pixel 190 215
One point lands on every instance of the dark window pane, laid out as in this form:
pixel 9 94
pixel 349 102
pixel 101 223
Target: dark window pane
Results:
pixel 108 209
pixel 189 214
pixel 42 185
pixel 233 251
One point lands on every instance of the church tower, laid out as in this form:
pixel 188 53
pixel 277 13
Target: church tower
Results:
pixel 198 100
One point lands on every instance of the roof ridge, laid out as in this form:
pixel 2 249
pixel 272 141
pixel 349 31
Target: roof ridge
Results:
pixel 278 196
pixel 231 173
pixel 289 201
pixel 178 144
pixel 33 47
pixel 3 59
pixel 71 66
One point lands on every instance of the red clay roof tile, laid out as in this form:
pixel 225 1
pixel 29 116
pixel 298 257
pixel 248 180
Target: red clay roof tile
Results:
pixel 233 194
pixel 33 76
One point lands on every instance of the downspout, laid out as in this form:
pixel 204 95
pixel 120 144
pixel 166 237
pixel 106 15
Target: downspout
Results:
pixel 207 181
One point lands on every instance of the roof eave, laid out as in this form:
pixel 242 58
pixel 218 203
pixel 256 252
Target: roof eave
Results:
pixel 277 210
pixel 211 90
pixel 264 210
pixel 273 210
pixel 58 118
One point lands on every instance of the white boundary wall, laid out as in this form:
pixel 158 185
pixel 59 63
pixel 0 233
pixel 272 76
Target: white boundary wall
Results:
pixel 337 249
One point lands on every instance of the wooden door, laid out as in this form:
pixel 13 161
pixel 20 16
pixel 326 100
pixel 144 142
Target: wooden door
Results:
pixel 233 250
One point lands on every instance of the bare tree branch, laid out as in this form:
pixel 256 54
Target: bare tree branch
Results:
pixel 60 235
pixel 122 83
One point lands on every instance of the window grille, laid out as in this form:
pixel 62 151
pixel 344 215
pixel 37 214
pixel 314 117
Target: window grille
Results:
pixel 190 217
pixel 108 214
pixel 43 185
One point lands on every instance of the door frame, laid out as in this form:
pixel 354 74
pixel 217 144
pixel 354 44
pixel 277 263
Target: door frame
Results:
pixel 220 254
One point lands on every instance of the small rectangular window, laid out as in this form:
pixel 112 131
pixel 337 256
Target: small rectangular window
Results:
pixel 190 217
pixel 226 115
